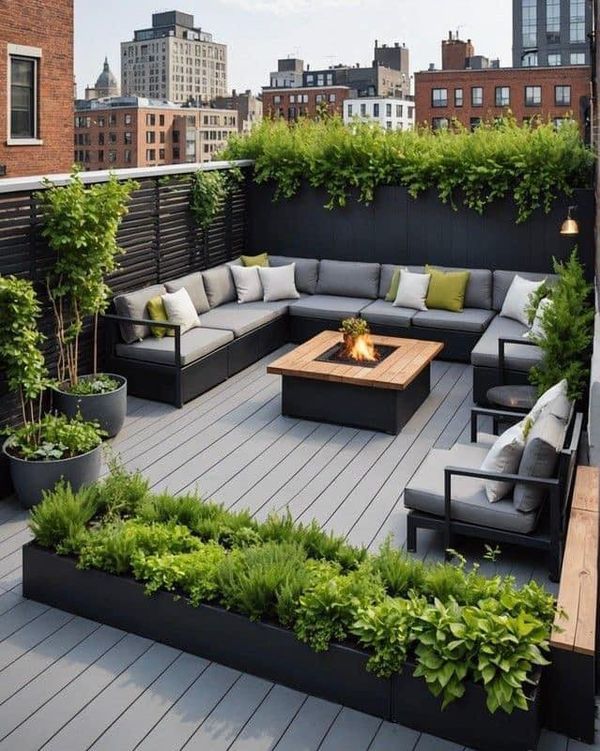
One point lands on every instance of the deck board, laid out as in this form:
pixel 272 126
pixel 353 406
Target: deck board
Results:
pixel 70 683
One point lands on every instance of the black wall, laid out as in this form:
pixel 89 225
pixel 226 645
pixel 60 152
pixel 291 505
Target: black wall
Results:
pixel 399 229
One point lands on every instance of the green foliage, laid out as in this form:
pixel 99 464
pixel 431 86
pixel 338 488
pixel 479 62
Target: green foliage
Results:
pixel 568 331
pixel 209 191
pixel 535 298
pixel 60 520
pixel 384 628
pixel 533 164
pixel 399 572
pixel 81 224
pixel 20 343
pixel 120 493
pixel 354 327
pixel 89 386
pixel 54 437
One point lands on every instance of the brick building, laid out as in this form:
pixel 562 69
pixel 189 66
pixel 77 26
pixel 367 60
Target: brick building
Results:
pixel 36 94
pixel 135 132
pixel 248 107
pixel 470 94
pixel 304 101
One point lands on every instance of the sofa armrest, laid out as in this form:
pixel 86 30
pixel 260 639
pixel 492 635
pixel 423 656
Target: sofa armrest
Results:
pixel 115 319
pixel 496 414
pixel 502 342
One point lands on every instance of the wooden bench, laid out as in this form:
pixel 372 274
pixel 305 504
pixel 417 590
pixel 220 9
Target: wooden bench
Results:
pixel 572 676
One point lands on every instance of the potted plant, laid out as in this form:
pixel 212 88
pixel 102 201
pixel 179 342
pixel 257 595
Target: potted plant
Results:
pixel 81 224
pixel 45 448
pixel 352 329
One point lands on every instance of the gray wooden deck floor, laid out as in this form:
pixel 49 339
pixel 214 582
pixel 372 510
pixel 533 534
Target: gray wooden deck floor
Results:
pixel 69 684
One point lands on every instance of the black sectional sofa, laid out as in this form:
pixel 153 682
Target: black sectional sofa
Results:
pixel 232 336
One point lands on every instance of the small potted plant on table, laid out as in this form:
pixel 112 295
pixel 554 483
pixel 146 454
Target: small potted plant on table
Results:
pixel 81 227
pixel 45 448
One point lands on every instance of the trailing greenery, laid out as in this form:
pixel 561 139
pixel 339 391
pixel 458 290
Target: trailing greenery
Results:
pixel 81 224
pixel 568 331
pixel 531 163
pixel 447 622
pixel 54 437
pixel 209 191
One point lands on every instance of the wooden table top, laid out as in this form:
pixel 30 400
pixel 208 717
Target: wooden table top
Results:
pixel 396 371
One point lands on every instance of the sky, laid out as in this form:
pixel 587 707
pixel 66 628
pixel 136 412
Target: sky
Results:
pixel 321 32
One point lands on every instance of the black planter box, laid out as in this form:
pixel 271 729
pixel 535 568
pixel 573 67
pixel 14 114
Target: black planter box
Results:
pixel 273 653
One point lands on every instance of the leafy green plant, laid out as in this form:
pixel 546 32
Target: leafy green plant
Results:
pixel 399 572
pixel 120 493
pixel 54 437
pixel 61 518
pixel 209 191
pixel 354 327
pixel 81 224
pixel 99 384
pixel 568 331
pixel 532 164
pixel 385 629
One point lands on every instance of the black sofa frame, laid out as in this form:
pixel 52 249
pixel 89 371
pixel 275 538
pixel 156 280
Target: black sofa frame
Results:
pixel 550 533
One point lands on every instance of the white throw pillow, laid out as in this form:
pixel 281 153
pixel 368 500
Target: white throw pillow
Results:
pixel 278 282
pixel 536 332
pixel 504 456
pixel 517 299
pixel 247 283
pixel 555 401
pixel 412 290
pixel 180 309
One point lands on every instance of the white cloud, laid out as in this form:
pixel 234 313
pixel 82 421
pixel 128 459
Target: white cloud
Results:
pixel 285 7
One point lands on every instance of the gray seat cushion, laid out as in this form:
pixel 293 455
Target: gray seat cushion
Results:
pixel 241 319
pixel 503 280
pixel 519 357
pixel 195 344
pixel 386 314
pixel 469 319
pixel 194 285
pixel 328 307
pixel 306 274
pixel 133 305
pixel 348 279
pixel 425 492
pixel 219 286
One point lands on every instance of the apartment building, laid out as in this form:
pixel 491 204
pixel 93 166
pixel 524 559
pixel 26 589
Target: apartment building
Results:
pixel 248 107
pixel 389 114
pixel 174 60
pixel 291 104
pixel 137 132
pixel 36 95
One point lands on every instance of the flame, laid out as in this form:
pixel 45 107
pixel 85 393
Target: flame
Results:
pixel 361 348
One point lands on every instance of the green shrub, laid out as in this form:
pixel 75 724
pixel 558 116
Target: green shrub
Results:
pixel 60 519
pixel 533 164
pixel 384 628
pixel 54 437
pixel 120 493
pixel 399 572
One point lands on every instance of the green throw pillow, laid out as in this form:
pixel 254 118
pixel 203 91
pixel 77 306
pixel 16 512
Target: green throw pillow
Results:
pixel 447 289
pixel 393 290
pixel 157 312
pixel 260 260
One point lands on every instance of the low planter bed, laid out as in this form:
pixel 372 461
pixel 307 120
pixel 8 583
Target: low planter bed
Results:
pixel 274 653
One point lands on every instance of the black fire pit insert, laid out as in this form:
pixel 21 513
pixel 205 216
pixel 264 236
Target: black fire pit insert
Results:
pixel 336 354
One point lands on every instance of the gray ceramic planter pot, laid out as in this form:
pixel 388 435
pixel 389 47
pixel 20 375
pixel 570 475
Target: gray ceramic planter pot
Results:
pixel 31 478
pixel 108 410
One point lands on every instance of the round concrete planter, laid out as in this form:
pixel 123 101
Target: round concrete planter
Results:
pixel 108 410
pixel 31 478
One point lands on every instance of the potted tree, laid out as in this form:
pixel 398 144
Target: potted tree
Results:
pixel 81 227
pixel 45 447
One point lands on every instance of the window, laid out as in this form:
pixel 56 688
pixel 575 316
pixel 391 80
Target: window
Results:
pixel 101 121
pixel 332 97
pixel 112 156
pixel 175 136
pixel 529 21
pixel 112 137
pixel 577 20
pixel 161 120
pixel 477 96
pixel 292 99
pixel 554 58
pixel 363 110
pixel 150 136
pixel 475 122
pixel 277 99
pixel 502 96
pixel 577 58
pixel 127 119
pixel 562 96
pixel 128 138
pixel 458 97
pixel 23 97
pixel 100 139
pixel 150 119
pixel 399 110
pixel 349 110
pixel 150 155
pixel 127 156
pixel 161 154
pixel 439 97
pixel 112 119
pixel 175 152
pixel 529 60
pixel 439 123
pixel 376 109
pixel 101 155
pixel 553 20
pixel 388 110
pixel 533 96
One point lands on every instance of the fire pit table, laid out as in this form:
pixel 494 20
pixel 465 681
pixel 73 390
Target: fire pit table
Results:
pixel 321 381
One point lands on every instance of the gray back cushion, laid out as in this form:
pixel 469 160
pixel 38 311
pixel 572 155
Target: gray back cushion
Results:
pixel 540 457
pixel 348 279
pixel 219 286
pixel 133 305
pixel 194 285
pixel 503 280
pixel 307 271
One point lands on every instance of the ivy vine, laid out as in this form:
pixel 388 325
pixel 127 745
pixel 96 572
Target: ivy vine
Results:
pixel 209 191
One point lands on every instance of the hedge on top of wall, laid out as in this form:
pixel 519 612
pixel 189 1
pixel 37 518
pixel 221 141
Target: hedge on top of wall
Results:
pixel 534 163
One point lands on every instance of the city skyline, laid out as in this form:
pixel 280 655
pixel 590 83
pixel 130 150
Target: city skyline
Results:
pixel 258 32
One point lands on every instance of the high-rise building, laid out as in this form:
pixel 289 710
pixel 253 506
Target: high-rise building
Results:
pixel 551 32
pixel 174 60
pixel 36 95
pixel 106 84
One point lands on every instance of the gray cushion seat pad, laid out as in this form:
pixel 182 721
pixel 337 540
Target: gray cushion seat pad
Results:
pixel 469 501
pixel 468 319
pixel 195 344
pixel 241 319
pixel 386 314
pixel 328 307
pixel 519 357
